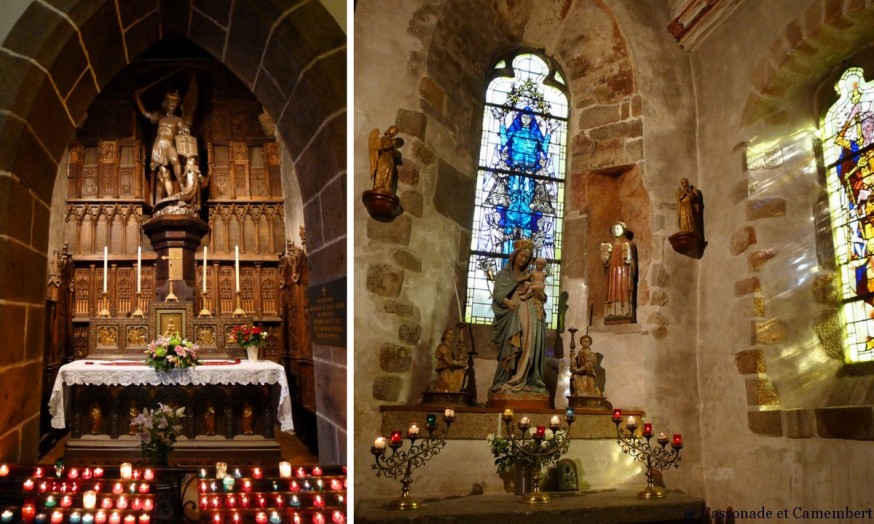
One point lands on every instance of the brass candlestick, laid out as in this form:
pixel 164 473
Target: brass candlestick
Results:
pixel 204 298
pixel 654 457
pixel 138 313
pixel 104 306
pixel 239 311
pixel 536 450
pixel 402 463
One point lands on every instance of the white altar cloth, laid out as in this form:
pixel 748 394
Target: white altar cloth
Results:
pixel 105 372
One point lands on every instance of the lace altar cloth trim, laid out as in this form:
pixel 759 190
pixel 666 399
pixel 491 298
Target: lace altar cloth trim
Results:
pixel 84 372
pixel 202 363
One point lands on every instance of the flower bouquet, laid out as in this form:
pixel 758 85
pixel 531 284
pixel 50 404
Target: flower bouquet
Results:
pixel 249 337
pixel 157 431
pixel 166 353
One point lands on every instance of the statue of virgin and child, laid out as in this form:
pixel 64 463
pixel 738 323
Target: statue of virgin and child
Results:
pixel 519 325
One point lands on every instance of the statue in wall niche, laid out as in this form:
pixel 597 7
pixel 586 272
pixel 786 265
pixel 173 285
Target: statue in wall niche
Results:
pixel 381 201
pixel 620 258
pixel 451 362
pixel 175 186
pixel 209 420
pixel 132 413
pixel 248 419
pixel 96 418
pixel 519 326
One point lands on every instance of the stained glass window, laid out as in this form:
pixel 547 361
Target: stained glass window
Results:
pixel 520 183
pixel 848 135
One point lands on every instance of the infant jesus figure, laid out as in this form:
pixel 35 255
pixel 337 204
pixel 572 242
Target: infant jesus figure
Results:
pixel 535 281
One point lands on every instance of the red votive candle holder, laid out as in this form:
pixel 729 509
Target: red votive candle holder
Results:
pixel 318 518
pixel 217 518
pixel 28 512
pixel 244 501
pixel 28 486
pixel 100 517
pixel 145 518
pixel 136 503
pixel 149 474
pixel 144 488
pixel 337 517
pixel 117 488
pixel 396 438
pixel 106 503
pixel 677 441
pixel 57 517
pixel 148 505
pixel 317 471
pixel 617 415
pixel 257 473
pixel 302 473
pixel 540 432
pixel 66 501
pixel 98 473
pixel 261 518
pixel 38 472
pixel 647 429
pixel 73 473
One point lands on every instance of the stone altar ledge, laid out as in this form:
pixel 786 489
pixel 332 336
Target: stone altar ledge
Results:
pixel 603 507
pixel 477 423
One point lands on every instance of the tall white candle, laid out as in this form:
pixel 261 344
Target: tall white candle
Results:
pixel 139 268
pixel 237 264
pixel 105 265
pixel 204 269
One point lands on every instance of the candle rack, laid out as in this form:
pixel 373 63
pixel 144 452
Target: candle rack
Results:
pixel 536 450
pixel 402 463
pixel 653 457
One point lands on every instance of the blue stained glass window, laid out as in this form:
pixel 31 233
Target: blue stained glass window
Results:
pixel 848 149
pixel 520 183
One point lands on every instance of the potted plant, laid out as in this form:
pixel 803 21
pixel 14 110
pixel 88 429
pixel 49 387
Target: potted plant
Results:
pixel 249 337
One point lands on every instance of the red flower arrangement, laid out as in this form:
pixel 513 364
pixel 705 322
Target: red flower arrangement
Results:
pixel 248 336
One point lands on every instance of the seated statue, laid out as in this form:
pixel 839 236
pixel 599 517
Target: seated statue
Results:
pixel 450 368
pixel 583 370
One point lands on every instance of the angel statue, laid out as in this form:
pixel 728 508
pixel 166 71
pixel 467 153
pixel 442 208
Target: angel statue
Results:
pixel 384 156
pixel 173 139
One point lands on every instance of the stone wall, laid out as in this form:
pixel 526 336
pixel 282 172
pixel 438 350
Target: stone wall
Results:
pixel 769 362
pixel 625 120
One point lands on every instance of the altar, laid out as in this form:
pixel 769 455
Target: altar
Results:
pixel 230 408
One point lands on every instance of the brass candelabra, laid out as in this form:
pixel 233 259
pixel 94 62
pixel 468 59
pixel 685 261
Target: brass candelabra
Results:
pixel 138 312
pixel 104 306
pixel 653 457
pixel 204 299
pixel 239 311
pixel 536 450
pixel 401 464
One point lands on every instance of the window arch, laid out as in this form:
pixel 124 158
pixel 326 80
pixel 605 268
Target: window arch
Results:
pixel 848 151
pixel 520 182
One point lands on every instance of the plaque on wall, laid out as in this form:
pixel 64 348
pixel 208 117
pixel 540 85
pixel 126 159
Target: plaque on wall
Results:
pixel 328 313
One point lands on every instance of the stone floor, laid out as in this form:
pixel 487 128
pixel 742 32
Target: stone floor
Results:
pixel 605 507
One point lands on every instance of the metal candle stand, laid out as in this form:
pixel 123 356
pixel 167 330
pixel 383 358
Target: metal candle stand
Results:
pixel 402 463
pixel 654 457
pixel 538 451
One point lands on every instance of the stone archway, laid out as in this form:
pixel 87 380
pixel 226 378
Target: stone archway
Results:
pixel 55 61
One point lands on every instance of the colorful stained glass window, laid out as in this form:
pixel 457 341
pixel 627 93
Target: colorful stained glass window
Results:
pixel 848 137
pixel 520 183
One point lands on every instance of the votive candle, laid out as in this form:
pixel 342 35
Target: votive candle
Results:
pixel 57 517
pixel 677 440
pixel 89 499
pixel 413 430
pixel 379 443
pixel 126 470
pixel 221 470
pixel 554 422
pixel 149 474
pixel 285 469
pixel 647 429
pixel 540 432
pixel 6 516
pixel 617 415
pixel 4 470
pixel 100 517
pixel 257 473
pixel 145 518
